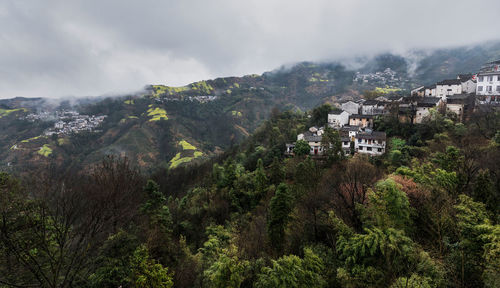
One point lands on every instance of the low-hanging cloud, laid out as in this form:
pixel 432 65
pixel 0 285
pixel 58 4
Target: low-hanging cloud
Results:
pixel 87 47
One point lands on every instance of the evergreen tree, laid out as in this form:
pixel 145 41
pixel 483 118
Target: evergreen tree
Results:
pixel 279 211
pixel 293 272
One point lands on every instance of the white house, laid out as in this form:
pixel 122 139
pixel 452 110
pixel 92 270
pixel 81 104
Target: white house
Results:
pixel 351 107
pixel 468 83
pixel 430 90
pixel 313 138
pixel 461 105
pixel 488 82
pixel 423 107
pixel 371 107
pixel 370 142
pixel 448 87
pixel 337 119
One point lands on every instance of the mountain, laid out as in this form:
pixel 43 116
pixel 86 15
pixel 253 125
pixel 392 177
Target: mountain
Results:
pixel 166 126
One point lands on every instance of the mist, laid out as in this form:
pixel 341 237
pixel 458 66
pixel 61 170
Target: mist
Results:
pixel 86 48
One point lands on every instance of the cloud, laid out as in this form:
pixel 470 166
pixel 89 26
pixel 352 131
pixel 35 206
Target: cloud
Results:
pixel 87 47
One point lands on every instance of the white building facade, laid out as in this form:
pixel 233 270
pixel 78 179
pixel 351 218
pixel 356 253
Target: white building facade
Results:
pixel 488 82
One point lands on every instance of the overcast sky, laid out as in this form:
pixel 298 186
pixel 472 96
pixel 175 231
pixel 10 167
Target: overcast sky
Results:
pixel 94 47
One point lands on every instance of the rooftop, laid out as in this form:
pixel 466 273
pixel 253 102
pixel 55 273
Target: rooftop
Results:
pixel 360 116
pixel 370 102
pixel 450 82
pixel 336 112
pixel 372 135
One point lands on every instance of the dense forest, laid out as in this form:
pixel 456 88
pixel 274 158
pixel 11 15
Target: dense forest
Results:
pixel 423 215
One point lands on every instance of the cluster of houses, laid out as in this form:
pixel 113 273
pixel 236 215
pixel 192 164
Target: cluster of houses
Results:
pixel 69 122
pixel 386 77
pixel 354 119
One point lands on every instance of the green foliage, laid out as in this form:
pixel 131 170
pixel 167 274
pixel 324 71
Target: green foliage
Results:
pixel 332 146
pixel 292 271
pixel 279 215
pixel 113 264
pixel 227 270
pixel 148 273
pixel 301 148
pixel 375 258
pixel 475 232
pixel 155 207
pixel 388 206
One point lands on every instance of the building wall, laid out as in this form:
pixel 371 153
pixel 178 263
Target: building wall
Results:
pixel 363 122
pixel 421 113
pixel 350 107
pixel 469 86
pixel 445 90
pixel 457 109
pixel 373 147
pixel 430 92
pixel 339 120
pixel 483 82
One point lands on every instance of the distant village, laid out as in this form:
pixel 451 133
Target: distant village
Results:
pixel 386 77
pixel 67 122
pixel 354 120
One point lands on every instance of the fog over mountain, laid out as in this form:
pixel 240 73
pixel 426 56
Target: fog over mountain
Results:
pixel 82 48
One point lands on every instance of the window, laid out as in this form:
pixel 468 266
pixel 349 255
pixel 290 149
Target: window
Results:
pixel 481 79
pixel 347 143
pixel 490 78
pixel 359 140
pixel 479 88
pixel 369 148
pixel 498 88
pixel 489 88
pixel 379 149
pixel 360 147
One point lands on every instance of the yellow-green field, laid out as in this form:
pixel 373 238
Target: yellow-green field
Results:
pixel 186 146
pixel 236 113
pixel 45 150
pixel 32 138
pixel 386 90
pixel 5 112
pixel 177 160
pixel 159 90
pixel 202 87
pixel 157 114
pixel 129 102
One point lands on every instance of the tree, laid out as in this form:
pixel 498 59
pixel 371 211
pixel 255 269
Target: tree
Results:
pixel 279 211
pixel 260 179
pixel 473 230
pixel 228 270
pixel 349 182
pixel 148 273
pixel 388 206
pixel 301 148
pixel 332 146
pixel 113 263
pixel 276 172
pixel 291 271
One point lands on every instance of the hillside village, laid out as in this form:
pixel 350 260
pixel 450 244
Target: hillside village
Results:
pixel 67 122
pixel 354 120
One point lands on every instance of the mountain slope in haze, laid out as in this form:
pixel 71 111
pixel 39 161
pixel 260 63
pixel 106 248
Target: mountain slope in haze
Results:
pixel 153 127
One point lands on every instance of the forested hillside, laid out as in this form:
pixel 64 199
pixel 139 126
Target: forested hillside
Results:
pixel 149 127
pixel 423 215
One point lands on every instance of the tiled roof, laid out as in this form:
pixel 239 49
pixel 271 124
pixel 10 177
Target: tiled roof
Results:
pixel 450 82
pixel 372 135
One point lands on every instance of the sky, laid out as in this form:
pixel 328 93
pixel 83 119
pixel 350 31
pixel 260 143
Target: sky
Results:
pixel 61 48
